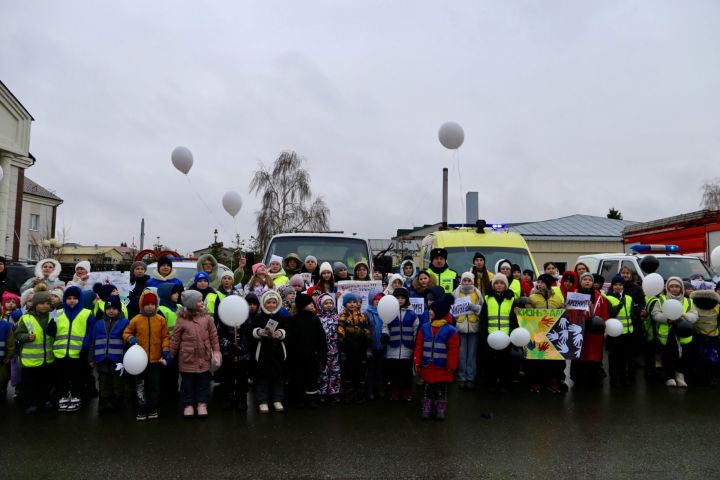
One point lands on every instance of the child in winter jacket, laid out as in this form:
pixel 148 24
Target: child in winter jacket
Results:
pixel 201 283
pixel 330 377
pixel 354 340
pixel 498 314
pixel 195 343
pixel 138 282
pixel 588 368
pixel 621 349
pixel 74 334
pixel 307 349
pixel 400 334
pixel 269 353
pixel 408 272
pixel 376 359
pixel 35 335
pixel 395 281
pixel 10 301
pixel 235 346
pixel 548 373
pixel 707 348
pixel 674 347
pixel 149 330
pixel 227 288
pixel 436 357
pixel 260 282
pixel 169 298
pixel 467 326
pixel 276 272
pixel 106 352
pixel 326 283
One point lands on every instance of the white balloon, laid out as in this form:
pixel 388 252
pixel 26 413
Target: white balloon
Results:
pixel 233 311
pixel 520 337
pixel 673 309
pixel 498 340
pixel 135 360
pixel 232 203
pixel 714 256
pixel 182 159
pixel 653 284
pixel 451 135
pixel 613 327
pixel 388 308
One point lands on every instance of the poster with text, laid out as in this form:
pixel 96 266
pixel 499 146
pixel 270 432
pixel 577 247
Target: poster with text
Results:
pixel 555 334
pixel 359 288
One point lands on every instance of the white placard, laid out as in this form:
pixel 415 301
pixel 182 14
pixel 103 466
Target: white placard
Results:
pixel 120 279
pixel 461 306
pixel 577 301
pixel 418 305
pixel 360 288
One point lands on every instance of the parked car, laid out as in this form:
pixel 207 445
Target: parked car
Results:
pixel 19 272
pixel 326 247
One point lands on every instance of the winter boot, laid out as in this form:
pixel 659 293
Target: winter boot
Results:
pixel 426 408
pixel 440 407
pixel 680 380
pixel 202 410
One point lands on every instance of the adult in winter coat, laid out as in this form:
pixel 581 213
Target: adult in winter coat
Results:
pixel 482 275
pixel 421 284
pixel 311 267
pixel 307 349
pixel 209 264
pixel 47 272
pixel 445 277
pixel 292 264
pixel 467 326
pixel 276 272
pixel 81 278
pixel 675 350
pixel 6 284
pixel 195 344
pixel 549 373
pixel 269 353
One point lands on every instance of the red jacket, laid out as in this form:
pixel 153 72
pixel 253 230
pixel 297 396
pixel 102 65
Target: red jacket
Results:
pixel 592 349
pixel 431 373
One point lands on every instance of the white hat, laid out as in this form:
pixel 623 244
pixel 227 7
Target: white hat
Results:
pixel 468 275
pixel 326 267
pixel 276 259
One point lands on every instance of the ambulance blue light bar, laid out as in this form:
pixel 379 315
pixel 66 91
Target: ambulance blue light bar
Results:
pixel 640 248
pixel 498 226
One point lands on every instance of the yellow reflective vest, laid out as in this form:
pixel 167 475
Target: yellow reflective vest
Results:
pixel 38 352
pixel 70 334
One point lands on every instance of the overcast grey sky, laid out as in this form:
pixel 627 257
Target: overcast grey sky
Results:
pixel 568 107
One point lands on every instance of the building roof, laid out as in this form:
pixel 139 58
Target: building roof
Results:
pixel 573 227
pixel 16 99
pixel 33 188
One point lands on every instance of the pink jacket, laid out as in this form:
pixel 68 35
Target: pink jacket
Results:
pixel 196 338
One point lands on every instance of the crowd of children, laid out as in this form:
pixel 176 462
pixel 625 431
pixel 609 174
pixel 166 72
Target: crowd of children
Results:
pixel 306 342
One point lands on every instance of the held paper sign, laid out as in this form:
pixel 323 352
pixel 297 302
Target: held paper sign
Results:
pixel 577 301
pixel 418 305
pixel 120 279
pixel 460 307
pixel 359 288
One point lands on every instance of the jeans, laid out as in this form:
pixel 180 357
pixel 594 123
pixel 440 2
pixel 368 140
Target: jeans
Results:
pixel 194 388
pixel 269 390
pixel 468 357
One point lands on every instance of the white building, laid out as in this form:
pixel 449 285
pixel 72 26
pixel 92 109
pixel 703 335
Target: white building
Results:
pixel 27 210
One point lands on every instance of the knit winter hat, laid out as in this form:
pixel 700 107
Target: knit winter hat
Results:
pixel 515 268
pixel 435 293
pixel 106 290
pixel 201 276
pixel 337 266
pixel 325 296
pixel 312 290
pixel 617 279
pixel 529 272
pixel 267 296
pixel 441 307
pixel 310 257
pixel 256 267
pixel 587 274
pixel 41 297
pixel 326 267
pixel 676 280
pixel 252 299
pixel 227 273
pixel 349 297
pixel 297 281
pixel 189 298
pixel 84 264
pixel 500 277
pixel 139 264
pixel 302 301
pixel 478 255
pixel 58 292
pixel 597 278
pixel 148 298
pixel 547 279
pixel 276 259
pixel 401 292
pixel 500 264
pixel 468 275
pixel 113 302
pixel 164 261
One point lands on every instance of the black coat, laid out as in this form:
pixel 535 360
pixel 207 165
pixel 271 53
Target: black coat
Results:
pixel 307 341
pixel 7 285
pixel 269 359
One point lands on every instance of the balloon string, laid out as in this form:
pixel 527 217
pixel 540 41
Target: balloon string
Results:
pixel 197 194
pixel 456 157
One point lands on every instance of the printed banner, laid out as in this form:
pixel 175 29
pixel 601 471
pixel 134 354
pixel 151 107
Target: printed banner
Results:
pixel 555 334
pixel 120 279
pixel 460 307
pixel 359 288
pixel 578 301
pixel 418 305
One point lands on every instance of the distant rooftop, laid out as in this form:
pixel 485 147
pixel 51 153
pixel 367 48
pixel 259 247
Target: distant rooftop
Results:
pixel 573 227
pixel 33 188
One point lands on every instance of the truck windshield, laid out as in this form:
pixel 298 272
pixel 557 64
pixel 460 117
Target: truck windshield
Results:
pixel 460 259
pixel 683 267
pixel 326 249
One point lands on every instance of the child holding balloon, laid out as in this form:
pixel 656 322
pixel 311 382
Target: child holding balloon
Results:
pixel 235 346
pixel 196 339
pixel 400 333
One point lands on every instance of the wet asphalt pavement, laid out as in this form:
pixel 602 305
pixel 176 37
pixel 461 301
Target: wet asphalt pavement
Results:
pixel 644 431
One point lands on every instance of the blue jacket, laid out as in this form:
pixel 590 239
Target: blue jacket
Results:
pixel 164 292
pixel 109 347
pixel 376 325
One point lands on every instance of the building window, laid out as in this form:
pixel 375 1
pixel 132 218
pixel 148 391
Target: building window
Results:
pixel 34 222
pixel 33 252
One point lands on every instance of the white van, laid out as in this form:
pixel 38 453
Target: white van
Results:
pixel 326 247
